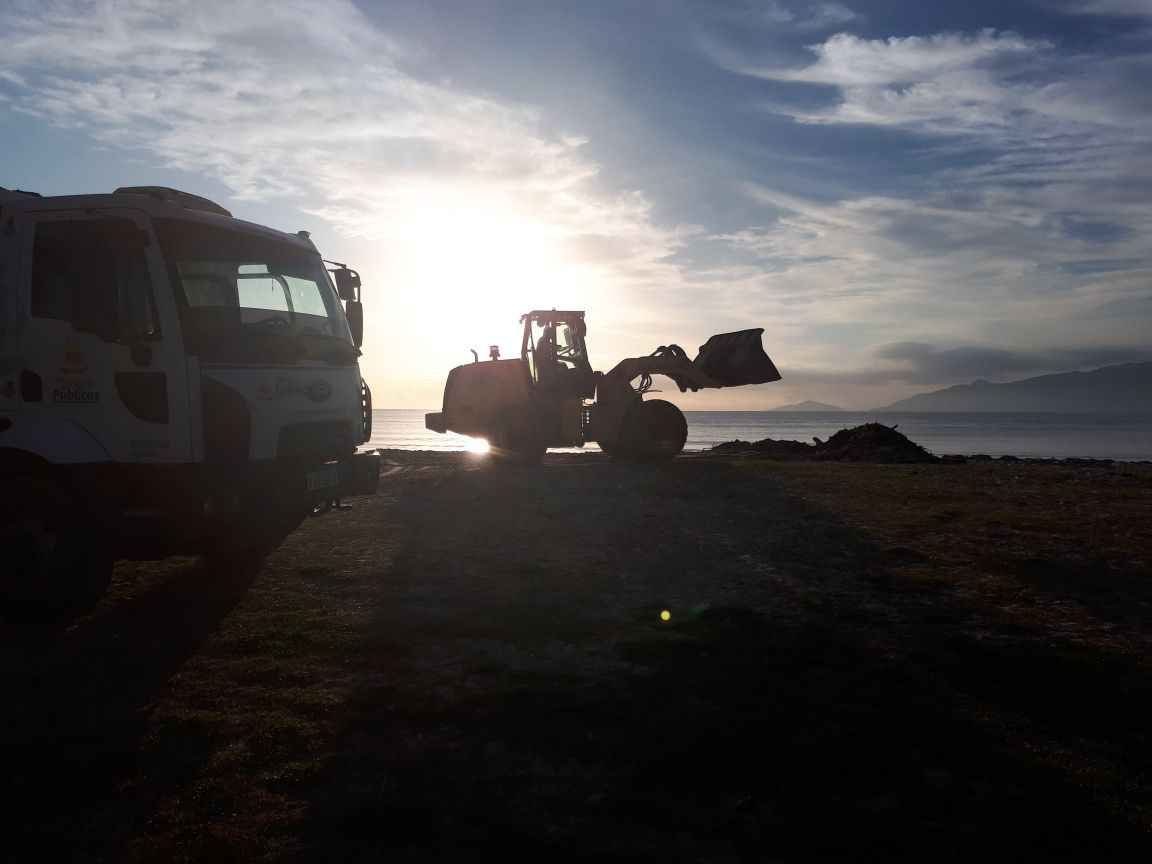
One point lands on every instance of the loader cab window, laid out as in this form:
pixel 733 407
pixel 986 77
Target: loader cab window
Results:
pixel 558 343
pixel 249 298
pixel 93 273
pixel 555 349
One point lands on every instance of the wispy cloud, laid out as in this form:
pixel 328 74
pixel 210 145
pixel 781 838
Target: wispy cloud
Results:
pixel 1020 229
pixel 451 195
pixel 804 15
pixel 1120 8
pixel 311 102
pixel 1031 229
pixel 920 363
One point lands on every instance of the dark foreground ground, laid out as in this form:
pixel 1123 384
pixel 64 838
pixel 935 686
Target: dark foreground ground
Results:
pixel 862 662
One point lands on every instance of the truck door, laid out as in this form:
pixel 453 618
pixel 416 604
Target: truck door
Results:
pixel 103 334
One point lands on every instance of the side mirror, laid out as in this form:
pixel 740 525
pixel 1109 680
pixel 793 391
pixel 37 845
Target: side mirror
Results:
pixel 355 312
pixel 347 283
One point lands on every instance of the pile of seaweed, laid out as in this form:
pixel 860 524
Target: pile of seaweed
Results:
pixel 872 442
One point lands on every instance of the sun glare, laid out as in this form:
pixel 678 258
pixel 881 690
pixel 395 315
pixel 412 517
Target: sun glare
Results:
pixel 476 445
pixel 454 275
pixel 464 264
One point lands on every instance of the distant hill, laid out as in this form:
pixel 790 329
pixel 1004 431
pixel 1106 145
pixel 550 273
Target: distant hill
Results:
pixel 807 405
pixel 1127 387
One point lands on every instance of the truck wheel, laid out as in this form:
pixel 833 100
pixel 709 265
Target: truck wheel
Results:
pixel 654 431
pixel 57 561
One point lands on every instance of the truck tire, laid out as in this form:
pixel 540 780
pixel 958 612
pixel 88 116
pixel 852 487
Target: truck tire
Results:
pixel 58 563
pixel 653 431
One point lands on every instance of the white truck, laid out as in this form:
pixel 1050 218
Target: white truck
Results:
pixel 173 381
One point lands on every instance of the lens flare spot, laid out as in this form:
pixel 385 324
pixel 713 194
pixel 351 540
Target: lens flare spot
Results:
pixel 476 445
pixel 665 615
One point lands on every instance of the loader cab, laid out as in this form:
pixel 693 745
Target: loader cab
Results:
pixel 553 349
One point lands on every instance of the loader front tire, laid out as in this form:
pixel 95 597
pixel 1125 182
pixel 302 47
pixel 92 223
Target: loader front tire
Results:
pixel 653 431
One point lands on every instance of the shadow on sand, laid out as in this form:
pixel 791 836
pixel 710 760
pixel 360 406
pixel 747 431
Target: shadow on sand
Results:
pixel 841 721
pixel 78 704
pixel 512 689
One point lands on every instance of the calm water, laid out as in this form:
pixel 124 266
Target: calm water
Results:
pixel 1028 435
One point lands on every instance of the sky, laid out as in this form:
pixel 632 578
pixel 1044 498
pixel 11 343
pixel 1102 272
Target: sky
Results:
pixel 904 195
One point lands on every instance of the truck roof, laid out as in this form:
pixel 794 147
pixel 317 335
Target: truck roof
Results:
pixel 158 201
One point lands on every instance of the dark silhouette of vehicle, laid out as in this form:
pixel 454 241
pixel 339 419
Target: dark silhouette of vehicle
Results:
pixel 550 397
pixel 172 381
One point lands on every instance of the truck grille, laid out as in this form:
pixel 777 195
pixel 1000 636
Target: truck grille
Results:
pixel 365 412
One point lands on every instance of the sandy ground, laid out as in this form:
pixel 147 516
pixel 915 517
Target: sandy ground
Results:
pixel 860 662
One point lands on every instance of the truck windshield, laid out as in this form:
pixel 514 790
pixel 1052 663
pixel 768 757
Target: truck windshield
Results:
pixel 245 298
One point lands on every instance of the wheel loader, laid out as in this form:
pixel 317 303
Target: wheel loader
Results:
pixel 550 397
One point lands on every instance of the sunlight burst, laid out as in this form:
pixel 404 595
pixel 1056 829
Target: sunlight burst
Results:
pixel 476 445
pixel 470 261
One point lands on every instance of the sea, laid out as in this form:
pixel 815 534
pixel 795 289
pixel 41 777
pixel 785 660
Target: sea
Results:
pixel 1124 437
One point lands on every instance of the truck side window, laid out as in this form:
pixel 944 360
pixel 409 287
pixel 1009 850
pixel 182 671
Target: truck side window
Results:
pixel 93 273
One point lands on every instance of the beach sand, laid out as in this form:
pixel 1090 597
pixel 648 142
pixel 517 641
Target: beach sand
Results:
pixel 859 662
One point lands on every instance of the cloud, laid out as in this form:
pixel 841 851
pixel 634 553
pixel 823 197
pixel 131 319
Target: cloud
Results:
pixel 1118 8
pixel 998 86
pixel 1008 287
pixel 310 102
pixel 805 16
pixel 1026 225
pixel 445 196
pixel 1030 227
pixel 898 370
pixel 920 363
pixel 849 61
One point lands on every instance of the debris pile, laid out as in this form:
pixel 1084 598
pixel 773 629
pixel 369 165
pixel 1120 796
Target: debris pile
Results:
pixel 872 442
pixel 770 448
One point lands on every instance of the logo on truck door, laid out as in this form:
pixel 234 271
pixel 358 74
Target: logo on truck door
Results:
pixel 73 386
pixel 75 393
pixel 317 390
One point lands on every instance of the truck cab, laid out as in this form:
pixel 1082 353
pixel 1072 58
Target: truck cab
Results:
pixel 172 381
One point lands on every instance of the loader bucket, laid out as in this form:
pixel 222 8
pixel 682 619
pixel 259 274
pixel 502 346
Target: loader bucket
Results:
pixel 735 359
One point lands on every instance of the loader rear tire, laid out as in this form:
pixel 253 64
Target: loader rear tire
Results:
pixel 517 446
pixel 654 431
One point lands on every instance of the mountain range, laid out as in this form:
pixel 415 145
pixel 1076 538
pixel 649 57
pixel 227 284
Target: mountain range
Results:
pixel 807 405
pixel 1123 388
